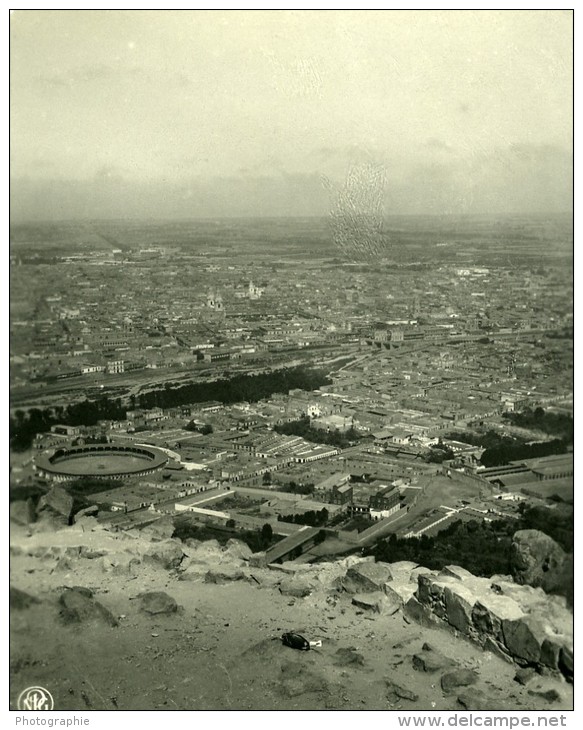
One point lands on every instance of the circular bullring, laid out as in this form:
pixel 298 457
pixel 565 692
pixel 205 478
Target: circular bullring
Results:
pixel 100 461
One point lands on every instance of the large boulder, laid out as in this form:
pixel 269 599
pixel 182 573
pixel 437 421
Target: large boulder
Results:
pixel 120 564
pixel 397 692
pixel 351 560
pixel 400 590
pixel 168 554
pixel 450 681
pixel 430 659
pixel 474 699
pixel 524 638
pixel 193 571
pixel 79 606
pixel 258 560
pixel 19 600
pixel 431 593
pixel 367 577
pixel 490 612
pixel 297 586
pixel 566 661
pixel 376 602
pixel 459 604
pixel 403 566
pixel 22 512
pixel 157 602
pixel 237 550
pixel 207 550
pixel 224 574
pixel 57 504
pixel 208 553
pixel 161 529
pixel 535 558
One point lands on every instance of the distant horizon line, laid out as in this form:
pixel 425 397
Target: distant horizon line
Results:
pixel 183 219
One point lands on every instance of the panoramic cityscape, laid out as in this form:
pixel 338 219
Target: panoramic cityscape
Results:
pixel 335 414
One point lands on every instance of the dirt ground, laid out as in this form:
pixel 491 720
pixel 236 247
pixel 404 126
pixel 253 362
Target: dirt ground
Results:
pixel 222 651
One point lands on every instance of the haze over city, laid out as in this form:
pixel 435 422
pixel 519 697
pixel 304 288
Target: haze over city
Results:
pixel 164 114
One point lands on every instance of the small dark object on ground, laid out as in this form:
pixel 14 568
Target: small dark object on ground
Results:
pixel 295 641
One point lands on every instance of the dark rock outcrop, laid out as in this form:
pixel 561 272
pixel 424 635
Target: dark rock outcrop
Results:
pixel 79 606
pixel 297 586
pixel 517 622
pixel 157 602
pixel 168 554
pixel 451 681
pixel 56 504
pixel 524 675
pixel 524 638
pixel 376 602
pixel 22 512
pixel 20 600
pixel 535 558
pixel 397 692
pixel 430 659
pixel 237 550
pixel 367 577
pixel 161 529
pixel 258 560
pixel 224 574
pixel 474 699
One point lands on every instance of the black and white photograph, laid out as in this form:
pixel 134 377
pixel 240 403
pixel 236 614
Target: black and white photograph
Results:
pixel 291 362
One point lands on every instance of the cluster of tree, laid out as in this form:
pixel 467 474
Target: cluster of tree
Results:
pixel 500 455
pixel 312 518
pixel 101 439
pixel 499 449
pixel 25 426
pixel 438 453
pixel 565 334
pixel 90 485
pixel 302 427
pixel 486 440
pixel 295 488
pixel 21 493
pixel 358 522
pixel 555 424
pixel 250 388
pixel 78 490
pixel 483 548
pixel 186 527
pixel 480 547
pixel 556 523
pixel 205 429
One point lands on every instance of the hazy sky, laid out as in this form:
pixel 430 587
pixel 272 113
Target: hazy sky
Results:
pixel 218 113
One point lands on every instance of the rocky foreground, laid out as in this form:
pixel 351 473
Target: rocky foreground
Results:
pixel 140 621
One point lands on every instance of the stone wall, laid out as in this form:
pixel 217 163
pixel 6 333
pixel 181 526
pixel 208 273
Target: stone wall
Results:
pixel 518 622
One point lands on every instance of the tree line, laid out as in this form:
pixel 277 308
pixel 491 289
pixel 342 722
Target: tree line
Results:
pixel 555 424
pixel 312 518
pixel 483 548
pixel 500 449
pixel 24 426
